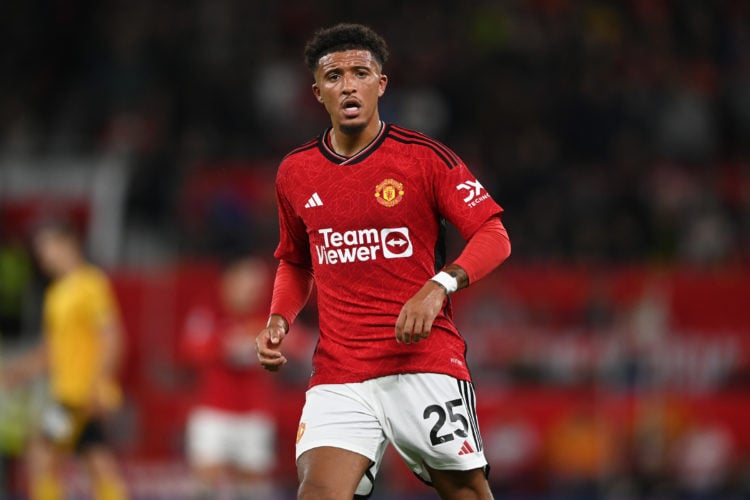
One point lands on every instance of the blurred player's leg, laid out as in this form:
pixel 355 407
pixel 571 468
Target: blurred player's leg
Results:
pixel 250 485
pixel 253 456
pixel 328 473
pixel 208 481
pixel 206 438
pixel 105 477
pixel 43 470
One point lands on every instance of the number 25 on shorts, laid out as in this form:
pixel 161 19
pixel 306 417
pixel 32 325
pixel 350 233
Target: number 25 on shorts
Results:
pixel 445 412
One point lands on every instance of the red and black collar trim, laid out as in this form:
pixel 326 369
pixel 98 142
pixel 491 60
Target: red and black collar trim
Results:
pixel 325 146
pixel 406 136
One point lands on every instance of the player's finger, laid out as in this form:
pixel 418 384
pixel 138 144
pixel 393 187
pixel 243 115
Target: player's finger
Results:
pixel 269 355
pixel 400 326
pixel 417 330
pixel 276 335
pixel 426 329
pixel 406 331
pixel 271 360
pixel 269 340
pixel 273 364
pixel 266 352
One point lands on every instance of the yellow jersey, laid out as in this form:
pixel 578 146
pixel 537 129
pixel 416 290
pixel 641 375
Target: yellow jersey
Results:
pixel 76 308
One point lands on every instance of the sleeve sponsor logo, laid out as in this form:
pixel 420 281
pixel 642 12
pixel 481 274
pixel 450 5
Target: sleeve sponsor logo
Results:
pixel 363 245
pixel 473 191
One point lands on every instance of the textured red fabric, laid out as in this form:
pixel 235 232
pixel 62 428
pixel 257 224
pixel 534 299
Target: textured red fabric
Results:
pixel 234 384
pixel 371 228
pixel 291 290
pixel 485 250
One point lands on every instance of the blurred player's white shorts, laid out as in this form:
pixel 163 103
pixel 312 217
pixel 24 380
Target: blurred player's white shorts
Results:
pixel 429 418
pixel 243 440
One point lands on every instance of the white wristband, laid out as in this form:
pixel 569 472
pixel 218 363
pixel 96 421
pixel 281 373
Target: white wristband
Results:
pixel 446 281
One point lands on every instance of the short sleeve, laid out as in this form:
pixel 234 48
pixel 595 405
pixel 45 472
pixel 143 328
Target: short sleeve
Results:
pixel 101 301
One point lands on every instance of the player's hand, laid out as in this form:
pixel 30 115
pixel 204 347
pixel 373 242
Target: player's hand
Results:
pixel 268 344
pixel 415 320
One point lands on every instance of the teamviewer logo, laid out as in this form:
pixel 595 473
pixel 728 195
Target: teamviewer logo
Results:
pixel 396 242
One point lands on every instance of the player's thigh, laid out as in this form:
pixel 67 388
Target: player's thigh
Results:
pixel 42 456
pixel 461 484
pixel 432 422
pixel 330 473
pixel 340 432
pixel 100 462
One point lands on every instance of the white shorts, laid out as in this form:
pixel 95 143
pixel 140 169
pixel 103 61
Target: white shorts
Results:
pixel 429 418
pixel 242 440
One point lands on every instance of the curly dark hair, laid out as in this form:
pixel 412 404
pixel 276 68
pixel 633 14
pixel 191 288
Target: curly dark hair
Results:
pixel 344 36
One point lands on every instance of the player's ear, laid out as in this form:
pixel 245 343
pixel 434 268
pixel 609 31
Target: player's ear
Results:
pixel 316 92
pixel 383 84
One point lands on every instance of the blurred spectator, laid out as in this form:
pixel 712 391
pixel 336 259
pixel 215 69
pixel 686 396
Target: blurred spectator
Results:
pixel 231 431
pixel 574 104
pixel 80 354
pixel 617 135
pixel 15 278
pixel 514 448
pixel 657 426
pixel 225 205
pixel 583 450
pixel 703 462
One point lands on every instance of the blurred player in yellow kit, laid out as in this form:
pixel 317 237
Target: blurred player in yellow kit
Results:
pixel 80 354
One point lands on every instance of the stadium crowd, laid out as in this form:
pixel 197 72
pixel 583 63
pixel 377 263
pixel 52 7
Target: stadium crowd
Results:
pixel 610 131
pixel 616 135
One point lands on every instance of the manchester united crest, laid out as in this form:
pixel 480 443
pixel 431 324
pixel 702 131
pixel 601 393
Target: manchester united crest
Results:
pixel 389 192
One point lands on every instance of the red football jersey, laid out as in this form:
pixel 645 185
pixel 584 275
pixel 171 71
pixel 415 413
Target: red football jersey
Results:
pixel 234 384
pixel 372 228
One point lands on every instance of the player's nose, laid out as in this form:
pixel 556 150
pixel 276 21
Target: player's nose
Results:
pixel 349 85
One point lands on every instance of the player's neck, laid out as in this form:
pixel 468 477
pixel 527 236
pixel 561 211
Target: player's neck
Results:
pixel 69 266
pixel 349 143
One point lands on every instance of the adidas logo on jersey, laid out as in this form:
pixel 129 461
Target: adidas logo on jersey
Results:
pixel 314 201
pixel 466 449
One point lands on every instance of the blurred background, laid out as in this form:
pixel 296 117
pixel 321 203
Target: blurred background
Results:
pixel 611 352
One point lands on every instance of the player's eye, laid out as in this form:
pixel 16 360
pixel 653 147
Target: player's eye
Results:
pixel 333 77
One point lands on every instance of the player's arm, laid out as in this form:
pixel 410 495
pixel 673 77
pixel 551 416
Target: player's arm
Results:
pixel 291 290
pixel 112 347
pixel 101 309
pixel 111 342
pixel 486 249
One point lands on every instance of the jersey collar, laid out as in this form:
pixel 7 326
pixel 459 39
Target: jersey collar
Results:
pixel 324 143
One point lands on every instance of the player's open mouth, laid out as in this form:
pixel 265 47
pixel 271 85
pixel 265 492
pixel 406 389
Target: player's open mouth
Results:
pixel 351 108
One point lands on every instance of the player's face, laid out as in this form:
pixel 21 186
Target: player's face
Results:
pixel 349 84
pixel 244 286
pixel 52 251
